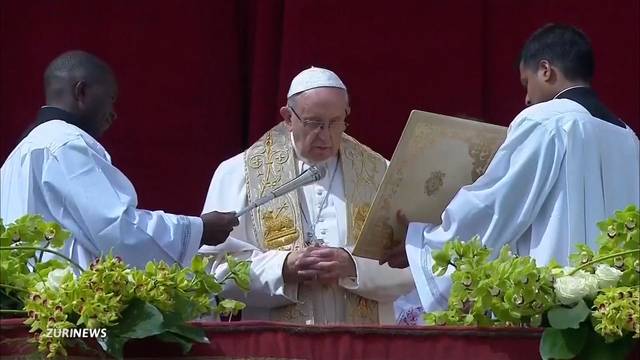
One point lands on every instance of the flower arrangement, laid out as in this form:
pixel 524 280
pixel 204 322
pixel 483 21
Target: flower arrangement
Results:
pixel 590 310
pixel 111 299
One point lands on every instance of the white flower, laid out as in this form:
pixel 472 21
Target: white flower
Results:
pixel 607 276
pixel 591 282
pixel 570 289
pixel 57 277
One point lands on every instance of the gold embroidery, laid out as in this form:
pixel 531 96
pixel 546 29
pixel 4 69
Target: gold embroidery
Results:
pixel 269 162
pixel 363 170
pixel 481 153
pixel 279 230
pixel 359 216
pixel 363 307
pixel 434 182
pixel 361 310
pixel 271 176
pixel 290 313
pixel 277 224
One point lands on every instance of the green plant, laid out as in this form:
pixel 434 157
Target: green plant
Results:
pixel 127 303
pixel 590 310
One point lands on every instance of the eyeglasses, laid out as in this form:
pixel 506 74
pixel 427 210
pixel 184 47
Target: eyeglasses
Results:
pixel 333 126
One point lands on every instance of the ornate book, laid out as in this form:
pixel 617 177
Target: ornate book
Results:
pixel 435 157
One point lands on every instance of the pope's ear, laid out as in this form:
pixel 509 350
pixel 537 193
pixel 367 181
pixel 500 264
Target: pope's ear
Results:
pixel 285 113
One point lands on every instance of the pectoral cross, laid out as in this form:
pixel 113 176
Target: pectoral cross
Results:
pixel 311 240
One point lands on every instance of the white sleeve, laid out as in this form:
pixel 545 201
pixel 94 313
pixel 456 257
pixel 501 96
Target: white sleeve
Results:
pixel 267 288
pixel 102 201
pixel 377 282
pixel 227 192
pixel 499 206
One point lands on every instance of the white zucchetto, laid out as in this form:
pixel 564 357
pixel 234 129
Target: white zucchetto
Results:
pixel 314 77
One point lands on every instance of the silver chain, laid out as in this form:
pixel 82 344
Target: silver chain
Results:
pixel 310 236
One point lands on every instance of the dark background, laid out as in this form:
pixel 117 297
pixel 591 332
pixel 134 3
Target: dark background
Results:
pixel 200 80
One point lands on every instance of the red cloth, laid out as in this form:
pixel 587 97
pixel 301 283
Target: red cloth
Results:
pixel 251 339
pixel 200 79
pixel 261 339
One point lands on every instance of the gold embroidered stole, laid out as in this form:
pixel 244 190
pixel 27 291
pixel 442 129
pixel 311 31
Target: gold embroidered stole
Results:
pixel 277 225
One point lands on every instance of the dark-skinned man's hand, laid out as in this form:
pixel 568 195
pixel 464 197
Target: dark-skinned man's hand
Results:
pixel 217 226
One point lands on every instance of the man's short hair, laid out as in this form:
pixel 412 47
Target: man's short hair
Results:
pixel 565 47
pixel 75 64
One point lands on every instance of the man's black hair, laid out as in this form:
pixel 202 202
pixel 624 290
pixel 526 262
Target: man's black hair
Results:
pixel 565 47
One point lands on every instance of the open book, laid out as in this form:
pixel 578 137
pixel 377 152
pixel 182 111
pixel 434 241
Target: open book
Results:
pixel 435 157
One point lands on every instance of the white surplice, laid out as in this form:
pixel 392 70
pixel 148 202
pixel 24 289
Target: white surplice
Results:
pixel 65 175
pixel 227 192
pixel 559 172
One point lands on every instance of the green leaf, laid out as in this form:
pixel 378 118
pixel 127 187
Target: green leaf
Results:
pixel 561 317
pixel 4 239
pixel 240 274
pixel 113 345
pixel 229 307
pixel 441 257
pixel 190 333
pixel 231 261
pixel 9 302
pixel 242 281
pixel 597 349
pixel 171 337
pixel 198 264
pixel 182 311
pixel 562 344
pixel 44 268
pixel 60 235
pixel 139 320
pixel 210 283
pixel 175 325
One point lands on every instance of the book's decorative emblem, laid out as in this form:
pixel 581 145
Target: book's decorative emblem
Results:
pixel 434 182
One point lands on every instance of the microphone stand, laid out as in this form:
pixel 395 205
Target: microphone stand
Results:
pixel 310 175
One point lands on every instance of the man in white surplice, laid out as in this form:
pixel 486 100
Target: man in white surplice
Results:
pixel 293 277
pixel 60 171
pixel 567 163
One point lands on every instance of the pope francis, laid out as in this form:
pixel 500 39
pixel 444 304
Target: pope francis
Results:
pixel 300 244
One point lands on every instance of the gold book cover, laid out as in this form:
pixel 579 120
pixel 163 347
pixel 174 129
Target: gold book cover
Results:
pixel 435 157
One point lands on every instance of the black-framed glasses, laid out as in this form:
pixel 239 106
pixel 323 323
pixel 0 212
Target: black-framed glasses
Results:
pixel 333 126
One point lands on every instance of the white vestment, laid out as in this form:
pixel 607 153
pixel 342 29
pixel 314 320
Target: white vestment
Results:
pixel 65 175
pixel 227 192
pixel 559 172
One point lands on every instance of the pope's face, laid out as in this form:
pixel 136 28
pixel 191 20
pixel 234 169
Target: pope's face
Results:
pixel 317 120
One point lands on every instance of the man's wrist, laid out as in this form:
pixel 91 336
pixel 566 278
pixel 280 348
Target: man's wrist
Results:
pixel 350 270
pixel 288 274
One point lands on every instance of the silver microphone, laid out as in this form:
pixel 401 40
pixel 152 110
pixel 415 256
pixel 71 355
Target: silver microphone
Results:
pixel 312 174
